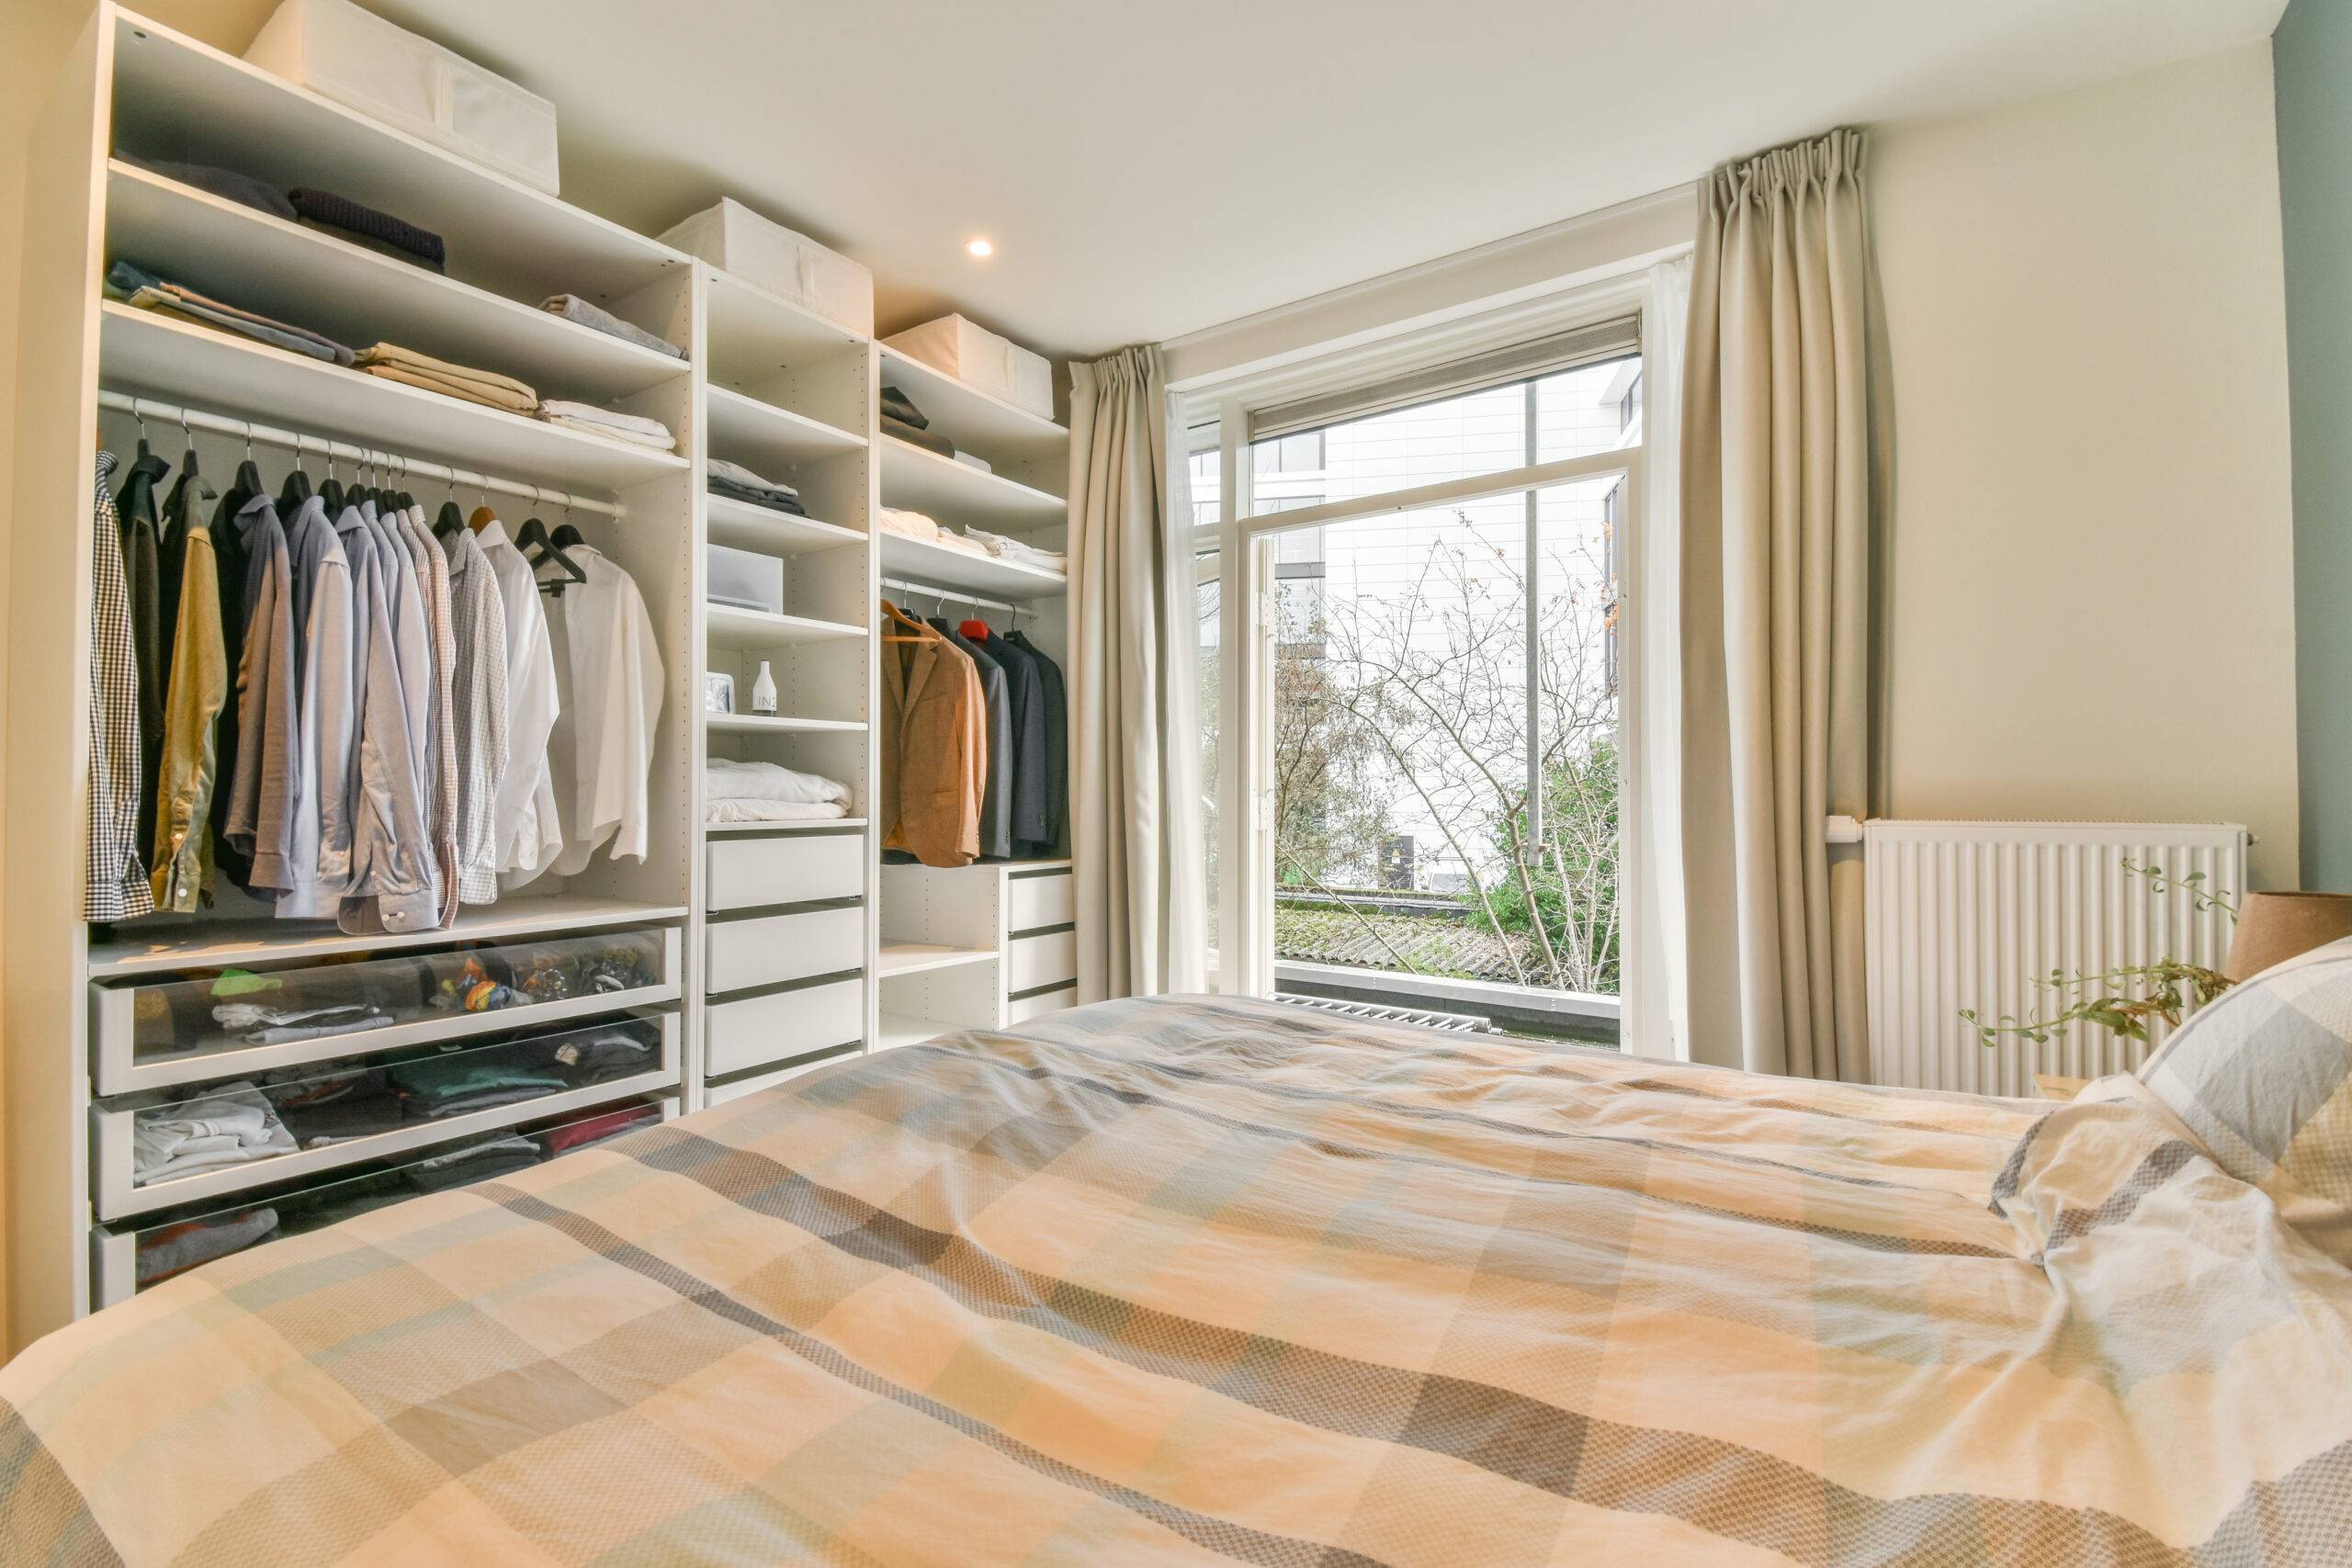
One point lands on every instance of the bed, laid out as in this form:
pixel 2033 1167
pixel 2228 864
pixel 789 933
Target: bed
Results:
pixel 1206 1280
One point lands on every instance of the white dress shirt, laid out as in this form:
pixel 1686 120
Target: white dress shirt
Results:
pixel 601 754
pixel 523 818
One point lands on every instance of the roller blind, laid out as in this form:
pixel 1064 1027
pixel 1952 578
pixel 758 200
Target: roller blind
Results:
pixel 1498 367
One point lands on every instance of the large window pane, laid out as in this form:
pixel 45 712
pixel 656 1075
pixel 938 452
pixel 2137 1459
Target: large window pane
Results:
pixel 1434 813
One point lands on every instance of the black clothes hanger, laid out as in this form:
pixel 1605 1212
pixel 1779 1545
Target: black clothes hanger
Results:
pixel 533 534
pixel 452 517
pixel 297 484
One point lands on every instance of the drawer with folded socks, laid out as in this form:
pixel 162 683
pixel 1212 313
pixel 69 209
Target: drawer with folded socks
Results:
pixel 156 1035
pixel 170 1241
pixel 153 1150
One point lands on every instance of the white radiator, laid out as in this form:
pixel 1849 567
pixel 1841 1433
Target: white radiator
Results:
pixel 1968 914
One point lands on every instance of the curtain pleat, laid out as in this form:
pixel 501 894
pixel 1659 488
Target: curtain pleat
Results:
pixel 1778 458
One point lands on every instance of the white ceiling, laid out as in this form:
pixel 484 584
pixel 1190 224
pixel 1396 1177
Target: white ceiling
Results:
pixel 1149 169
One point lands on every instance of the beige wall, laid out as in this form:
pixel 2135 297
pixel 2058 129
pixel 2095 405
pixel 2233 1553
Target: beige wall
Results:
pixel 2089 610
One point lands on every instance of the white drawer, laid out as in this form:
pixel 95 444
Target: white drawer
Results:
pixel 1042 961
pixel 768 949
pixel 758 1081
pixel 1042 901
pixel 758 1030
pixel 561 1080
pixel 797 868
pixel 1019 1009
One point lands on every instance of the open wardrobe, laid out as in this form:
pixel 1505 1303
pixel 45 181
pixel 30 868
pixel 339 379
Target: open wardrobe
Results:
pixel 465 647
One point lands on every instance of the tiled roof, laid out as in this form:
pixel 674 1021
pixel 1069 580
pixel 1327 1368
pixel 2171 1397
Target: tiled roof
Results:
pixel 1430 944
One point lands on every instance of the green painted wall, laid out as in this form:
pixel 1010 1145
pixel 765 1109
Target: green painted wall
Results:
pixel 2312 55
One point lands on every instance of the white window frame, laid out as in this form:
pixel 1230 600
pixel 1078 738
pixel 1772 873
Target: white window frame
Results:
pixel 1244 541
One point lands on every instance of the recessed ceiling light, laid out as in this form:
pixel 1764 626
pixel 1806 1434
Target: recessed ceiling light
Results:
pixel 981 248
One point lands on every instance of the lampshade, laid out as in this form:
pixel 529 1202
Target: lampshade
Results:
pixel 2275 926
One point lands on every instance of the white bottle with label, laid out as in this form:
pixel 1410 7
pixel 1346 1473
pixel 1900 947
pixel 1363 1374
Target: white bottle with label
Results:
pixel 763 692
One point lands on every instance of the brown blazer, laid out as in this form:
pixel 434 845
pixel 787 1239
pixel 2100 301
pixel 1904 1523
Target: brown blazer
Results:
pixel 934 744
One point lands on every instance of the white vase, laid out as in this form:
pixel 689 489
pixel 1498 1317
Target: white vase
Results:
pixel 763 692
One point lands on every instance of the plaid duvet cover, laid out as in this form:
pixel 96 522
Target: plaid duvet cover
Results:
pixel 1199 1280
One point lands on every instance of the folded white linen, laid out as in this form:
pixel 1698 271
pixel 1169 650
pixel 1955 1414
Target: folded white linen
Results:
pixel 1004 547
pixel 609 420
pixel 628 437
pixel 969 461
pixel 909 525
pixel 727 778
pixel 229 1126
pixel 774 810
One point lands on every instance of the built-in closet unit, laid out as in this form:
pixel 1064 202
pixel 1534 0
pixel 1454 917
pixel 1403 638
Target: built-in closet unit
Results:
pixel 745 953
pixel 736 955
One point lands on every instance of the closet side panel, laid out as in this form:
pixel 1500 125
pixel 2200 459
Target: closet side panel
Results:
pixel 42 938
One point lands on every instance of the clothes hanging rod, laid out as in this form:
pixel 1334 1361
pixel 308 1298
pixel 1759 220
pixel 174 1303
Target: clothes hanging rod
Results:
pixel 952 596
pixel 270 435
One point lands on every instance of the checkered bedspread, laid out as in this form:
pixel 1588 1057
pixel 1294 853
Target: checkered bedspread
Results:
pixel 1201 1281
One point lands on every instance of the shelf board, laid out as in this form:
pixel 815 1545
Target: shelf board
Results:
pixel 753 334
pixel 939 567
pixel 893 1030
pixel 357 296
pixel 731 627
pixel 777 724
pixel 764 438
pixel 175 98
pixel 977 422
pixel 148 354
pixel 185 944
pixel 744 527
pixel 896 958
pixel 811 825
pixel 956 493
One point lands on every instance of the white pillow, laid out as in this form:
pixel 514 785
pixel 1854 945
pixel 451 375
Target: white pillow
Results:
pixel 2263 1076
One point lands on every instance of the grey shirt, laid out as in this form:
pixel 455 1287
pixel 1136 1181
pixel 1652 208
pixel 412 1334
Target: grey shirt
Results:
pixel 317 844
pixel 391 884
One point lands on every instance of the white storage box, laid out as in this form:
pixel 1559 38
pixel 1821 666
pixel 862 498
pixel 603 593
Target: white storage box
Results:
pixel 746 578
pixel 977 357
pixel 360 60
pixel 794 266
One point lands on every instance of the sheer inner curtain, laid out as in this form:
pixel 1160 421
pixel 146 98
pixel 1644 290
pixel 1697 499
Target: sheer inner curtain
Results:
pixel 1135 840
pixel 1783 438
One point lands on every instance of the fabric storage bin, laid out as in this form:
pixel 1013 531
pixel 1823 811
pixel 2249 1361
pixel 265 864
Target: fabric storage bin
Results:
pixel 149 1152
pixel 979 357
pixel 127 1259
pixel 801 868
pixel 364 62
pixel 755 1030
pixel 192 1029
pixel 1048 900
pixel 788 265
pixel 772 948
pixel 720 1094
pixel 1038 961
pixel 1019 1009
pixel 745 579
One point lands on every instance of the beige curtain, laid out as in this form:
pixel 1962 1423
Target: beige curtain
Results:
pixel 1136 840
pixel 1781 472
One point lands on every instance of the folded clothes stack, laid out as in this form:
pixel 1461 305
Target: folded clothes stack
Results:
pixel 764 792
pixel 896 404
pixel 610 423
pixel 437 1087
pixel 740 483
pixel 232 1125
pixel 226 183
pixel 376 231
pixel 142 290
pixel 573 308
pixel 1020 551
pixel 336 1107
pixel 257 1025
pixel 393 363
pixel 598 1129
pixel 175 1249
pixel 921 527
pixel 475 1162
pixel 588 1058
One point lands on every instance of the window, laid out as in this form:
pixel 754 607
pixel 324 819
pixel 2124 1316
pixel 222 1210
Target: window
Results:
pixel 1421 776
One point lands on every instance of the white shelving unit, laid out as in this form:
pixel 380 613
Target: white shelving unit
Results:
pixel 773 934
